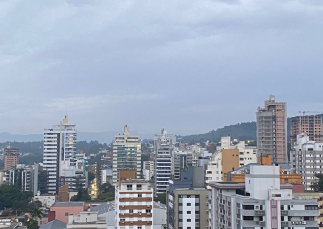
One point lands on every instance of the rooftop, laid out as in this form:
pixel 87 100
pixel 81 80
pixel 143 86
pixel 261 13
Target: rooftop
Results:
pixel 68 204
pixel 55 224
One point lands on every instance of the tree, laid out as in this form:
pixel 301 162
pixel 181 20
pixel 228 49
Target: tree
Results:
pixel 11 194
pixel 31 223
pixel 106 193
pixel 161 197
pixel 318 186
pixel 37 212
pixel 82 195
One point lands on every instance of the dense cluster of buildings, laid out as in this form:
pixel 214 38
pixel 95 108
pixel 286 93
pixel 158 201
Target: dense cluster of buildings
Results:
pixel 234 186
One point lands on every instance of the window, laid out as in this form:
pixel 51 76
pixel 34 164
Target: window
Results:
pixel 138 186
pixel 139 195
pixel 122 220
pixel 66 213
pixel 129 186
pixel 131 211
pixel 188 212
pixel 188 204
pixel 189 220
pixel 148 211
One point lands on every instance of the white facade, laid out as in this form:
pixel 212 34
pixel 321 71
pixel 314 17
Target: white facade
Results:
pixel 306 158
pixel 164 146
pixel 150 167
pixel 260 202
pixel 59 145
pixel 126 154
pixel 86 220
pixel 134 205
pixel 46 200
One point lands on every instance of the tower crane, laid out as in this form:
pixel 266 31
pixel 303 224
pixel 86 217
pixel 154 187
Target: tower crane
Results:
pixel 320 112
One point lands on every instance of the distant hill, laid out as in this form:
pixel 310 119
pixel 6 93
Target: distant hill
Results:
pixel 241 131
pixel 102 137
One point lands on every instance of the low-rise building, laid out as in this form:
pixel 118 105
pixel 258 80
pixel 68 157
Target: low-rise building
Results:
pixel 47 200
pixel 61 210
pixel 86 220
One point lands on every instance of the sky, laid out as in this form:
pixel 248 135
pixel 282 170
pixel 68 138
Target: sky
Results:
pixel 188 66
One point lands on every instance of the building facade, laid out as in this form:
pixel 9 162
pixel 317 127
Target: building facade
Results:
pixel 164 145
pixel 134 204
pixel 11 156
pixel 59 146
pixel 311 125
pixel 251 205
pixel 126 154
pixel 187 201
pixel 272 130
pixel 306 158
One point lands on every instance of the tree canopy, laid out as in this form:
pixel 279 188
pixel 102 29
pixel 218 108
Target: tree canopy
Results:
pixel 82 195
pixel 318 186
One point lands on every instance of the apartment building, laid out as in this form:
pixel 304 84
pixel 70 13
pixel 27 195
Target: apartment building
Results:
pixel 187 201
pixel 86 220
pixel 59 146
pixel 126 154
pixel 11 156
pixel 164 145
pixel 260 202
pixel 307 159
pixel 311 125
pixel 229 158
pixel 181 160
pixel 148 170
pixel 272 130
pixel 133 204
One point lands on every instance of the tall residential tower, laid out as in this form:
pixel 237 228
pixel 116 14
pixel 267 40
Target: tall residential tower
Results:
pixel 59 147
pixel 126 154
pixel 272 130
pixel 164 146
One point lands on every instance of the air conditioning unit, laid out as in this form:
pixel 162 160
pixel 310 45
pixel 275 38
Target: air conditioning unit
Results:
pixel 139 213
pixel 257 207
pixel 131 221
pixel 122 206
pixel 293 223
pixel 148 213
pixel 303 222
pixel 130 213
pixel 132 198
pixel 122 213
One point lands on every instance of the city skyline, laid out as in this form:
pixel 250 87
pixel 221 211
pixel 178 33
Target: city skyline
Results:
pixel 107 65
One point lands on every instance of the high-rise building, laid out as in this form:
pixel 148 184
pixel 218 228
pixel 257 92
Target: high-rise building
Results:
pixel 187 200
pixel 180 161
pixel 164 145
pixel 260 202
pixel 306 159
pixel 59 146
pixel 11 156
pixel 133 202
pixel 311 125
pixel 126 154
pixel 272 130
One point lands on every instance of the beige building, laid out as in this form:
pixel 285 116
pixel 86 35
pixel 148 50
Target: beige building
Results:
pixel 310 125
pixel 272 130
pixel 10 157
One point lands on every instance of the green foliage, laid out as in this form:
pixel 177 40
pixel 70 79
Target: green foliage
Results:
pixel 161 197
pixel 11 196
pixel 36 212
pixel 318 186
pixel 92 147
pixel 31 224
pixel 106 193
pixel 82 195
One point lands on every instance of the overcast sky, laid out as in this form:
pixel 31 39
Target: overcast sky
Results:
pixel 188 66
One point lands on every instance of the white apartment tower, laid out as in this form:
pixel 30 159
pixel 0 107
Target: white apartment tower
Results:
pixel 164 146
pixel 126 154
pixel 133 205
pixel 59 146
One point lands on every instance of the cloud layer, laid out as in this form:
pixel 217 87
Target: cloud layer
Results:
pixel 188 66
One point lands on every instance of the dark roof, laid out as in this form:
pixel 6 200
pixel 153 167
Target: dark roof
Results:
pixel 55 224
pixel 68 204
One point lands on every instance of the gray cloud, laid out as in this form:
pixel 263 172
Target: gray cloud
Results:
pixel 188 66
